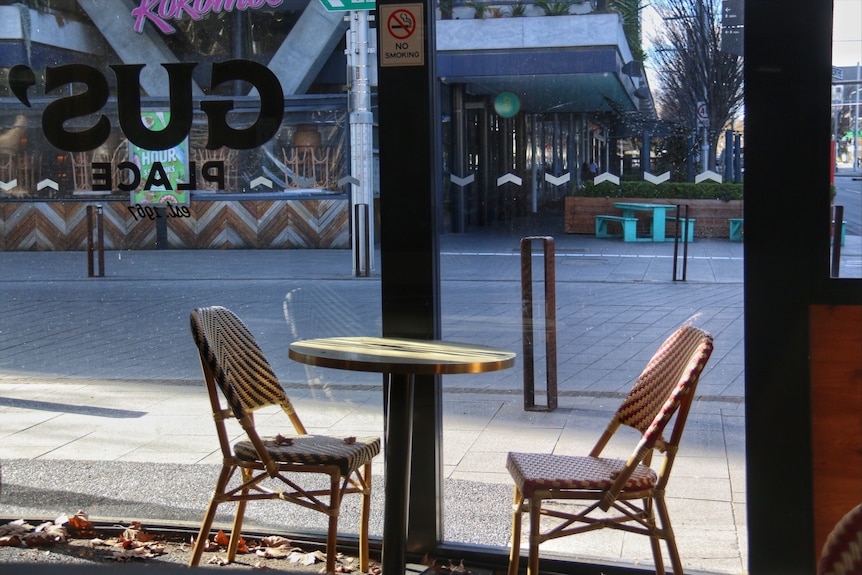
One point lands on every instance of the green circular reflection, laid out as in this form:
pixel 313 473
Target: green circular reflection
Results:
pixel 507 104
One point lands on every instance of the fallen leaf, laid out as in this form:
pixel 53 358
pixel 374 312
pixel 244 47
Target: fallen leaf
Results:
pixel 216 560
pixel 10 541
pixel 79 525
pixel 221 538
pixel 276 541
pixel 460 568
pixel 17 527
pixel 44 534
pixel 140 552
pixel 272 553
pixel 134 532
pixel 282 440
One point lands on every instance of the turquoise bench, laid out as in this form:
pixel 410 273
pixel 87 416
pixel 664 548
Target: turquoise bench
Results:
pixel 735 234
pixel 629 226
pixel 736 230
pixel 843 231
pixel 682 224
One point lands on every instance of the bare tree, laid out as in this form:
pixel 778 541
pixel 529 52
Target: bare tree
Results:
pixel 691 68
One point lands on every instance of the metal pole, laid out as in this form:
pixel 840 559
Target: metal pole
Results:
pixel 680 227
pixel 90 270
pixel 676 242
pixel 100 239
pixel 684 244
pixel 837 224
pixel 97 244
pixel 856 127
pixel 360 222
pixel 528 323
pixel 459 160
pixel 361 139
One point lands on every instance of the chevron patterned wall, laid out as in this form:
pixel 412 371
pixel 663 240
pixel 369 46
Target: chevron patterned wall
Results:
pixel 62 226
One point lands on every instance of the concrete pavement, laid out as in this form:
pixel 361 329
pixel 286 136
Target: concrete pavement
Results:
pixel 102 405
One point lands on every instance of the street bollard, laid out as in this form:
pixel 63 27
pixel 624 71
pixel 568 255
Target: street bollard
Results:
pixel 357 237
pixel 684 229
pixel 98 245
pixel 528 324
pixel 837 224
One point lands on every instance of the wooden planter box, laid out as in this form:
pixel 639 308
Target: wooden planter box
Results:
pixel 711 215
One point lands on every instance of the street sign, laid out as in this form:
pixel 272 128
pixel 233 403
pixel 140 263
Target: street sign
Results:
pixel 732 13
pixel 402 38
pixel 347 5
pixel 702 114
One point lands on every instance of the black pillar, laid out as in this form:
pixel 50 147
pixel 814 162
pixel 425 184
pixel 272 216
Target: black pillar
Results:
pixel 410 198
pixel 787 46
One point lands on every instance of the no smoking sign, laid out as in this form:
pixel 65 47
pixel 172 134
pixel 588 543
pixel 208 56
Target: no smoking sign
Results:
pixel 402 42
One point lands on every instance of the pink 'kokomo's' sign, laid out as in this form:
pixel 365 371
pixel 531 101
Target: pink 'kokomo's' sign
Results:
pixel 160 11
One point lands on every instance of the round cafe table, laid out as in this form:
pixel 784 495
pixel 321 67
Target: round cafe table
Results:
pixel 401 360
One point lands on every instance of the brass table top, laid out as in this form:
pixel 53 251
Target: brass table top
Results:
pixel 400 356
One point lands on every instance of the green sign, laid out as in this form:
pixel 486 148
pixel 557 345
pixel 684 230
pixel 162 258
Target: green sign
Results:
pixel 161 170
pixel 345 5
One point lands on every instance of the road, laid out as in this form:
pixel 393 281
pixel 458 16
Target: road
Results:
pixel 849 194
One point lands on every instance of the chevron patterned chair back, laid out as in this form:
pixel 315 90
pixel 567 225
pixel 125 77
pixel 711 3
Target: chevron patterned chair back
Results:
pixel 616 494
pixel 842 552
pixel 235 368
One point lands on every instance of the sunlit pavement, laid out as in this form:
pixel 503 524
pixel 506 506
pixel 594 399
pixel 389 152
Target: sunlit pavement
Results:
pixel 102 406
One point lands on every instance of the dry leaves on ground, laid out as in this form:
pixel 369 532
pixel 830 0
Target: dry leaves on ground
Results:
pixel 134 543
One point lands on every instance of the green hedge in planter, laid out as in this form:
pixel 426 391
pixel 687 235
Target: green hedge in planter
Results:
pixel 675 190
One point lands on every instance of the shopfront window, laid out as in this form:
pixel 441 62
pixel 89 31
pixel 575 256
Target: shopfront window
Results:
pixel 553 135
pixel 216 140
pixel 217 166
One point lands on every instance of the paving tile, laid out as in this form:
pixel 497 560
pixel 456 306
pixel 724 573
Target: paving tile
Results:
pixel 86 391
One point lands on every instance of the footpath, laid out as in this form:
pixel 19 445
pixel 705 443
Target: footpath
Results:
pixel 102 407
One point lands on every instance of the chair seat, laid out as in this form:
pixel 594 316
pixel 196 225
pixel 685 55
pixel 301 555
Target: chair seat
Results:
pixel 348 453
pixel 535 471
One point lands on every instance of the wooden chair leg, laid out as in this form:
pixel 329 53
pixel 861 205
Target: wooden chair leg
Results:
pixel 515 542
pixel 332 532
pixel 535 531
pixel 235 534
pixel 364 518
pixel 654 539
pixel 669 538
pixel 207 523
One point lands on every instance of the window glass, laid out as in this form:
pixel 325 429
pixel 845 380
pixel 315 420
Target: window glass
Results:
pixel 594 103
pixel 187 146
pixel 846 185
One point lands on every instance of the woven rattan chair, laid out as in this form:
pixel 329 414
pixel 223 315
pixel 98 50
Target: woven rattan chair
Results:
pixel 842 552
pixel 233 363
pixel 616 494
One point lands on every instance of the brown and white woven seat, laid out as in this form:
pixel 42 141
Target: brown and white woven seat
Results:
pixel 621 494
pixel 235 368
pixel 842 552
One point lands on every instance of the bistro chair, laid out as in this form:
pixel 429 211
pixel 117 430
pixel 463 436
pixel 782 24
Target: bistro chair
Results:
pixel 615 493
pixel 235 369
pixel 842 552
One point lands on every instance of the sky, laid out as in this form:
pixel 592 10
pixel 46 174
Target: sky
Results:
pixel 847 33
